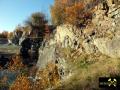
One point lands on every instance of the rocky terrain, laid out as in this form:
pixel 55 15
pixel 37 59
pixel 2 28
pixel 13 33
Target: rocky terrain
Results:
pixel 71 58
pixel 82 55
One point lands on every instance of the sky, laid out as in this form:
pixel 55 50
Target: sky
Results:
pixel 15 12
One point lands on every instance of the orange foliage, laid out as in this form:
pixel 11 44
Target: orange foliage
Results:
pixel 49 77
pixel 74 13
pixel 53 74
pixel 21 83
pixel 64 1
pixel 71 12
pixel 42 83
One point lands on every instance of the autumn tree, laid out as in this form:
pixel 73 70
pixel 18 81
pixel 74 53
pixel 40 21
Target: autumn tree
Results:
pixel 57 12
pixel 15 63
pixel 75 14
pixel 72 12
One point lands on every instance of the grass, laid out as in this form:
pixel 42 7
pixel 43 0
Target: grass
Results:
pixel 86 70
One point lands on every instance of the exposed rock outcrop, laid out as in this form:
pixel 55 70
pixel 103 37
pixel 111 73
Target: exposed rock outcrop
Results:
pixel 109 47
pixel 68 35
pixel 102 35
pixel 48 55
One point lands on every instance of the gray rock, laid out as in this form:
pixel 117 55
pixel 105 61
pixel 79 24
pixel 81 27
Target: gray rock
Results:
pixel 45 57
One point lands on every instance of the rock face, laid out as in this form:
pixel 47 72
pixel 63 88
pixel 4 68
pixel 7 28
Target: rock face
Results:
pixel 50 54
pixel 46 56
pixel 101 35
pixel 109 47
pixel 63 31
pixel 67 35
pixel 89 47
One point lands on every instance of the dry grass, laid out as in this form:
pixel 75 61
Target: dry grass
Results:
pixel 87 69
pixel 49 77
pixel 21 83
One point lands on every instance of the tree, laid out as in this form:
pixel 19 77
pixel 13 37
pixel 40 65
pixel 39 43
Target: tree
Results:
pixel 4 34
pixel 57 12
pixel 75 14
pixel 26 30
pixel 72 12
pixel 37 23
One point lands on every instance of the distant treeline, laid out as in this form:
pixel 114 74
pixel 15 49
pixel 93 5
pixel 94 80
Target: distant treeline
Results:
pixel 4 34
